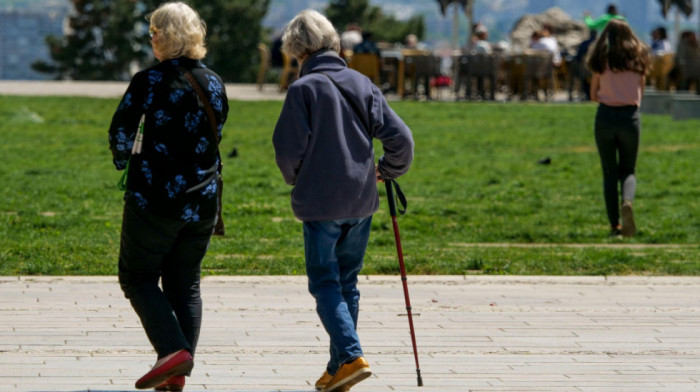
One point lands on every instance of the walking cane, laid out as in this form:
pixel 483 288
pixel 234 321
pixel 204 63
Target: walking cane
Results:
pixel 390 185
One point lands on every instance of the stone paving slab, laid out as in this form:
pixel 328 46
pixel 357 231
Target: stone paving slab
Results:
pixel 474 333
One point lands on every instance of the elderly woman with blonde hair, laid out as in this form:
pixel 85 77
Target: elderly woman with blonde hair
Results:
pixel 170 203
pixel 323 147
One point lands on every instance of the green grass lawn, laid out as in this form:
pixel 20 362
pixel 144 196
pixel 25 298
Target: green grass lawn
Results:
pixel 478 200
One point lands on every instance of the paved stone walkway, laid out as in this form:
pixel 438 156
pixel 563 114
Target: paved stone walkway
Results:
pixel 475 333
pixel 241 92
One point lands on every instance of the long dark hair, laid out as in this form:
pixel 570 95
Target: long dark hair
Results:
pixel 619 49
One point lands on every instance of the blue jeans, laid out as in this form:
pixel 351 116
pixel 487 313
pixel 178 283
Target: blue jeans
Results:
pixel 334 253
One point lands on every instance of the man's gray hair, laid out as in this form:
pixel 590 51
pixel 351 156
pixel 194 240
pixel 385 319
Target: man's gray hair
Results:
pixel 307 33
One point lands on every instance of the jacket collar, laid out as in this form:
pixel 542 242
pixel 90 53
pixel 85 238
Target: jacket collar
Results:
pixel 322 60
pixel 185 62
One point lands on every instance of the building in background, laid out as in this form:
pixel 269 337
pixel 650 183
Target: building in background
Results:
pixel 23 28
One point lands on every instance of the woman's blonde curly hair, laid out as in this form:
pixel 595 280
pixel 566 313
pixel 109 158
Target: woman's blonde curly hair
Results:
pixel 179 31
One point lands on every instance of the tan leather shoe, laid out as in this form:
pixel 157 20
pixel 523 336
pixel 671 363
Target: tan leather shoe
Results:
pixel 348 375
pixel 323 381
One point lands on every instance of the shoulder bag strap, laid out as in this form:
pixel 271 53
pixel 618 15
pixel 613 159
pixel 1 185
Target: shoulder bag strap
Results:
pixel 350 101
pixel 203 98
pixel 390 183
pixel 219 228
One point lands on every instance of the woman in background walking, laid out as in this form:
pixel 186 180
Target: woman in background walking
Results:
pixel 170 204
pixel 619 61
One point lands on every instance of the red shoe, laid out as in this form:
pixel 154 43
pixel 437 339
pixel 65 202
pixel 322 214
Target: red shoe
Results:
pixel 180 363
pixel 174 383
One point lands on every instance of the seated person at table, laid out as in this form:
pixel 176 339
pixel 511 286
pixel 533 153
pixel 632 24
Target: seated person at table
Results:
pixel 482 45
pixel 350 37
pixel 687 51
pixel 660 44
pixel 412 42
pixel 580 59
pixel 367 45
pixel 276 58
pixel 543 40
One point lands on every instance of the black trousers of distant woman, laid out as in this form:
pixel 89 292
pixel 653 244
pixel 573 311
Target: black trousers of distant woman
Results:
pixel 617 133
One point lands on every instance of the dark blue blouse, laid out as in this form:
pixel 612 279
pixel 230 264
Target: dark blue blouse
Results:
pixel 174 175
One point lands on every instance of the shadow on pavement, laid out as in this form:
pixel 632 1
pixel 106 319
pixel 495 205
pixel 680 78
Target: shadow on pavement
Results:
pixel 136 390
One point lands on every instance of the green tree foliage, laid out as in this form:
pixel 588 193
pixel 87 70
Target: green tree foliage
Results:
pixel 372 18
pixel 234 29
pixel 108 37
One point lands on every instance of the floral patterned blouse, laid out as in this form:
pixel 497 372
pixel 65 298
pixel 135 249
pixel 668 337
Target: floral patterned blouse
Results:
pixel 174 176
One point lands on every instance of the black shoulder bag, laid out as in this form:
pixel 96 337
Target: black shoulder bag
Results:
pixel 219 229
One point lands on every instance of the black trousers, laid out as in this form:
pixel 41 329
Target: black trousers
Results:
pixel 617 130
pixel 154 248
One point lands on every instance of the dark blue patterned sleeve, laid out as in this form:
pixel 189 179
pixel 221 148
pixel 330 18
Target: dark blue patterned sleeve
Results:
pixel 126 119
pixel 218 99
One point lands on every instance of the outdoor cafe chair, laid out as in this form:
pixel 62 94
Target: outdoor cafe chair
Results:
pixel 531 71
pixel 420 65
pixel 690 72
pixel 479 66
pixel 660 67
pixel 368 64
pixel 264 53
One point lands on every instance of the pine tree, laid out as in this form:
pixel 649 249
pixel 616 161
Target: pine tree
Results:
pixel 105 38
pixel 234 30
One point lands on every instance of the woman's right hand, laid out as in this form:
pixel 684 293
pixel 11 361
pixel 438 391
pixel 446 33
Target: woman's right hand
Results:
pixel 377 174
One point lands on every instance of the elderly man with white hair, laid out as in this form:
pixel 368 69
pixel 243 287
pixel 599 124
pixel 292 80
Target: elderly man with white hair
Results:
pixel 323 147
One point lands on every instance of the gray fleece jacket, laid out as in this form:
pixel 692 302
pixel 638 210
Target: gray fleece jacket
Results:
pixel 323 149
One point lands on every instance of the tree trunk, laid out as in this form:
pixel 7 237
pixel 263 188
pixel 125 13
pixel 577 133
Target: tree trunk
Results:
pixel 469 11
pixel 455 27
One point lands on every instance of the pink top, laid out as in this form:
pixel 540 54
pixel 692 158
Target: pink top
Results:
pixel 620 88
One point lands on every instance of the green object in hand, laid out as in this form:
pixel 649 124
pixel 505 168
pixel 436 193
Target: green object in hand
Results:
pixel 121 185
pixel 136 149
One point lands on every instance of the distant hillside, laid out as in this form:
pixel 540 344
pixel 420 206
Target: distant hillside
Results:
pixel 499 15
